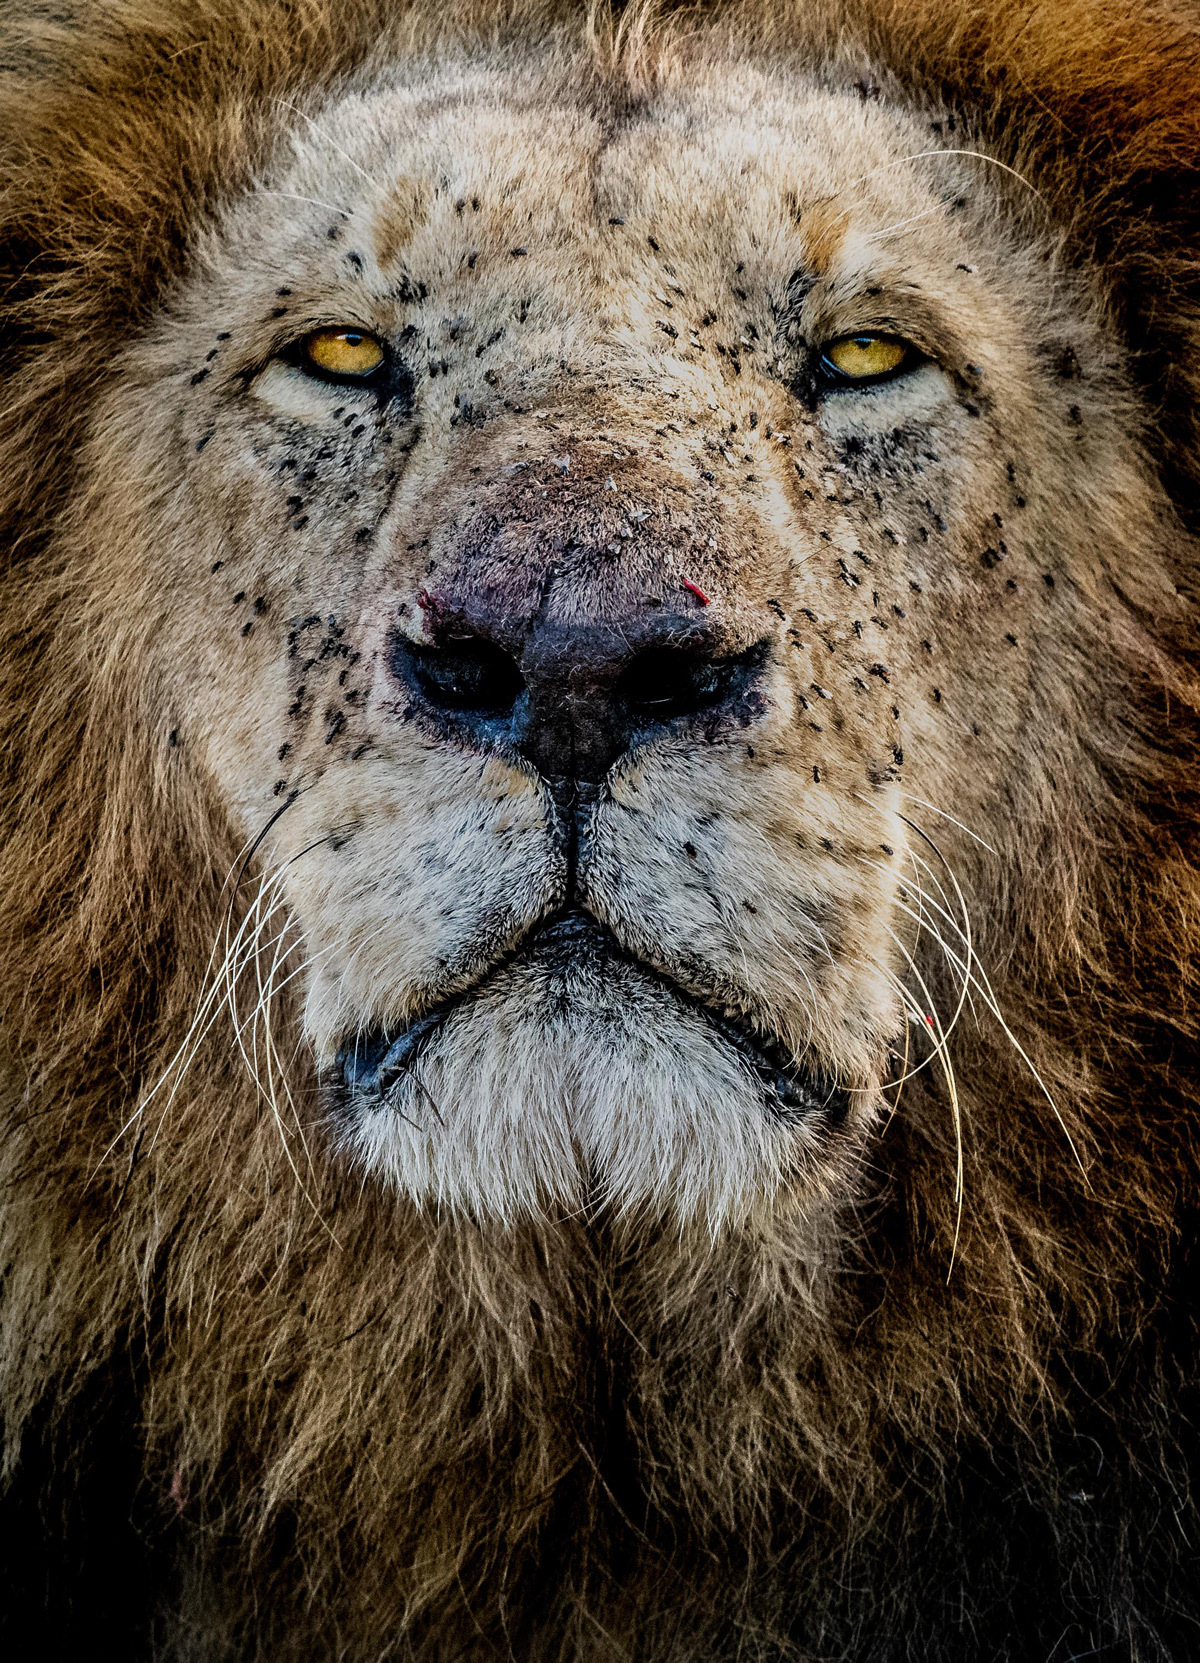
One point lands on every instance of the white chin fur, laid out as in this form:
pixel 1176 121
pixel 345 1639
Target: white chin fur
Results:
pixel 602 1090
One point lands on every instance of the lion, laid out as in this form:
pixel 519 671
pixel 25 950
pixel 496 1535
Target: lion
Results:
pixel 600 891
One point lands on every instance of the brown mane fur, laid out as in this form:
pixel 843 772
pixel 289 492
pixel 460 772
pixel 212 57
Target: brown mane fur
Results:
pixel 372 1430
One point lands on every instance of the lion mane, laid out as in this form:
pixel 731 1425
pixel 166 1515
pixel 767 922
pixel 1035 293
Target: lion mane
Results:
pixel 249 1410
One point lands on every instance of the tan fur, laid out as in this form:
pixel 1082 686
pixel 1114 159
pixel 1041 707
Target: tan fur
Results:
pixel 822 229
pixel 594 1362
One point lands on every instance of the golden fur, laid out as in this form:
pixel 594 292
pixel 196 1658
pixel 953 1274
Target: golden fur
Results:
pixel 834 1421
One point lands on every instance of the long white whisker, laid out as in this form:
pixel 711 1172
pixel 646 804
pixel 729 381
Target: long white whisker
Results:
pixel 942 908
pixel 933 809
pixel 220 975
pixel 918 864
pixel 912 1007
pixel 293 196
pixel 332 143
pixel 210 1005
pixel 952 1088
pixel 902 224
pixel 923 923
pixel 974 155
pixel 984 988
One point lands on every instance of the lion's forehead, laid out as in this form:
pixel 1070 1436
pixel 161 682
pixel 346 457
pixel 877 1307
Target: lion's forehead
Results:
pixel 462 185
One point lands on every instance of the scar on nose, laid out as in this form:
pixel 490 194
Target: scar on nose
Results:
pixel 822 228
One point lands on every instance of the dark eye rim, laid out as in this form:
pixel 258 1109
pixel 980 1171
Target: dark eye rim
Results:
pixel 831 379
pixel 389 376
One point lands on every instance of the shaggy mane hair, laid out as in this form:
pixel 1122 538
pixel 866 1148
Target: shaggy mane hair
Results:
pixel 256 1408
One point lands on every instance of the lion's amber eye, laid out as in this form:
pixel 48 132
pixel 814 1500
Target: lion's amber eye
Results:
pixel 344 354
pixel 866 357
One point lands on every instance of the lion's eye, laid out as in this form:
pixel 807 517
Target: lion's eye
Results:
pixel 342 354
pixel 854 359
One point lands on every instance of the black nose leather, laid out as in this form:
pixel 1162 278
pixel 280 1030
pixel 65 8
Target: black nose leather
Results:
pixel 572 699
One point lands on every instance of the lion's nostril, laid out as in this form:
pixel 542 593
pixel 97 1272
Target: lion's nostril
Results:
pixel 665 682
pixel 471 677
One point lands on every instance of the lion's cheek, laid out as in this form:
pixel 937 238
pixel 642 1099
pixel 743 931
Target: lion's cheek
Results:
pixel 774 887
pixel 406 880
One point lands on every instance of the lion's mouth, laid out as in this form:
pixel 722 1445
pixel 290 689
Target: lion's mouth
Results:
pixel 370 1063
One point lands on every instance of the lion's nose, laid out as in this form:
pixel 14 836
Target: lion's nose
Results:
pixel 574 698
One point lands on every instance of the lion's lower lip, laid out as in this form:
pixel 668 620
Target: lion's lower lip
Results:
pixel 370 1063
pixel 374 1061
pixel 804 1093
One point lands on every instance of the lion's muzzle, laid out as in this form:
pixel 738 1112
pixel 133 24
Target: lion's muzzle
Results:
pixel 370 1066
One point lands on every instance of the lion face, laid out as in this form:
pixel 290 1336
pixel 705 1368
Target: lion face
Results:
pixel 580 543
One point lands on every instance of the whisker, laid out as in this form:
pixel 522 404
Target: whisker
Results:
pixel 902 224
pixel 974 155
pixel 965 932
pixel 912 1007
pixel 952 1088
pixel 261 1015
pixel 332 143
pixel 209 1005
pixel 935 916
pixel 293 196
pixel 943 911
pixel 218 987
pixel 933 809
pixel 986 993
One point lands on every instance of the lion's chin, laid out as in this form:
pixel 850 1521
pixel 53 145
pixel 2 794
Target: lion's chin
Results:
pixel 573 1077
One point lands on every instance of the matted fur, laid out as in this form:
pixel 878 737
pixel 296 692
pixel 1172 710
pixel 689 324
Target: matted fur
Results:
pixel 346 1428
